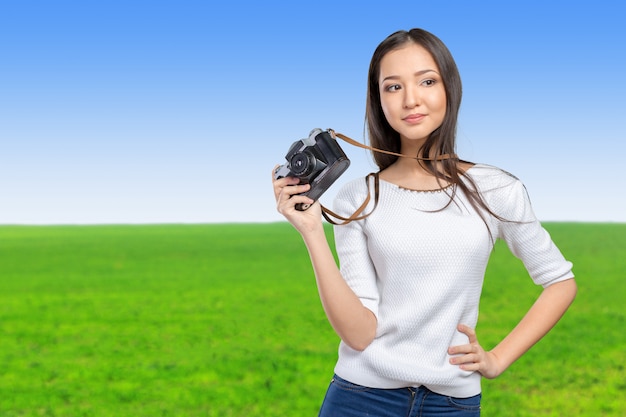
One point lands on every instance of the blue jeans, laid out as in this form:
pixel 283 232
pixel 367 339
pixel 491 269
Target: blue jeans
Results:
pixel 345 399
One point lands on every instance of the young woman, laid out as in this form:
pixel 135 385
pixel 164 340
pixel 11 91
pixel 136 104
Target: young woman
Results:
pixel 405 300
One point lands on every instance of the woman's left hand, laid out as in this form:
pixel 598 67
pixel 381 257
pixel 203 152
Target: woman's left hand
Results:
pixel 472 357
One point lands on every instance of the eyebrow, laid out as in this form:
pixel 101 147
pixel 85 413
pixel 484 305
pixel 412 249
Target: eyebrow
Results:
pixel 417 74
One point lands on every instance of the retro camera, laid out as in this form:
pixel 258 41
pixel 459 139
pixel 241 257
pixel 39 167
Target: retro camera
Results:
pixel 317 160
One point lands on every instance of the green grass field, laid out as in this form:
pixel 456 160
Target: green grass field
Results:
pixel 224 320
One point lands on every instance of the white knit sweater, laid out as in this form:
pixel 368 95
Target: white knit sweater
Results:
pixel 421 273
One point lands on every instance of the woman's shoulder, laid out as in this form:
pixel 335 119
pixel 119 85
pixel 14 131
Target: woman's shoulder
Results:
pixel 503 192
pixel 356 186
pixel 355 191
pixel 488 177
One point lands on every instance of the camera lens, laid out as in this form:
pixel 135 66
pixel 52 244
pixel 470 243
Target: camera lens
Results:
pixel 302 164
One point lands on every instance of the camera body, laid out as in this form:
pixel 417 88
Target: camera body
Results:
pixel 317 160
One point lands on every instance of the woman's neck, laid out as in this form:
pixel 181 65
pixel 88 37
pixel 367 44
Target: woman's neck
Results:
pixel 412 174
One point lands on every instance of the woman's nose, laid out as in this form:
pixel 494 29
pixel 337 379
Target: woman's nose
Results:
pixel 411 97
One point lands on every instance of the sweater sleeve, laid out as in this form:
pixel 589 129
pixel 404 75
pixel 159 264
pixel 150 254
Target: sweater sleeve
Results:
pixel 526 237
pixel 351 243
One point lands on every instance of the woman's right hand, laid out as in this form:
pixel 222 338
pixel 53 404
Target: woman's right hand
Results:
pixel 286 192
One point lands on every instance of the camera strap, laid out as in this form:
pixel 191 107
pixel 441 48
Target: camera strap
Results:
pixel 361 145
pixel 357 215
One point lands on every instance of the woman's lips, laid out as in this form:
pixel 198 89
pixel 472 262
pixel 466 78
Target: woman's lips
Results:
pixel 414 118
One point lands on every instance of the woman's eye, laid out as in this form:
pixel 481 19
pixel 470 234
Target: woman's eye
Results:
pixel 392 87
pixel 429 83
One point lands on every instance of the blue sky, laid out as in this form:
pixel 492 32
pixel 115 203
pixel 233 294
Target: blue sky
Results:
pixel 176 111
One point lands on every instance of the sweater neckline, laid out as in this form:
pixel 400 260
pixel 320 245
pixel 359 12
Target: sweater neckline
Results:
pixel 412 190
pixel 431 191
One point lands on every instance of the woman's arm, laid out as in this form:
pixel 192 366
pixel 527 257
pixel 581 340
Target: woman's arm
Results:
pixel 354 323
pixel 542 316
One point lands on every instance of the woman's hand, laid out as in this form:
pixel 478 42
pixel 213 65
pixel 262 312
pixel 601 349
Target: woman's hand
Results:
pixel 286 191
pixel 536 323
pixel 472 357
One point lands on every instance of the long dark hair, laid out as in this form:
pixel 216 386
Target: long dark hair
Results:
pixel 443 139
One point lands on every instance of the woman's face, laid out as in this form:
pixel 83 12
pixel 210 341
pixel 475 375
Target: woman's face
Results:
pixel 412 94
